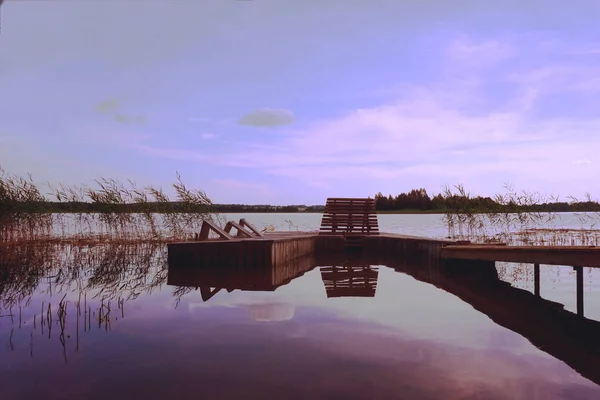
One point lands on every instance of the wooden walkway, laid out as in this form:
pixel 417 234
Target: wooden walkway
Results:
pixel 552 255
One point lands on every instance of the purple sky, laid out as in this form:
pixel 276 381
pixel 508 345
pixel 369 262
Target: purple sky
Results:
pixel 281 101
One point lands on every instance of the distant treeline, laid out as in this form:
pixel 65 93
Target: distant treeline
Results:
pixel 239 208
pixel 416 200
pixel 419 200
pixel 149 207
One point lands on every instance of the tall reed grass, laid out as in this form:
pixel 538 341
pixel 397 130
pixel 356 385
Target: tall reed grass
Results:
pixel 514 220
pixel 122 212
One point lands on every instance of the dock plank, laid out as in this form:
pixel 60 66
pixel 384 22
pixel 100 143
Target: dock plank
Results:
pixel 553 255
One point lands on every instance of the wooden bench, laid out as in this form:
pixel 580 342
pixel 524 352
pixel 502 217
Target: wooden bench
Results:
pixel 349 216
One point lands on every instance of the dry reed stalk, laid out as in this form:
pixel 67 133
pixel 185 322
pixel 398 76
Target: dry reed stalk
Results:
pixel 24 214
pixel 514 220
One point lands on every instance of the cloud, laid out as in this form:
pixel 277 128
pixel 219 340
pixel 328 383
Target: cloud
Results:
pixel 108 106
pixel 267 117
pixel 208 136
pixel 122 119
pixel 471 53
pixel 112 107
pixel 584 161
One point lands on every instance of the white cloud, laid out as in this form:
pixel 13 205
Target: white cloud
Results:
pixel 470 53
pixel 267 117
pixel 208 135
pixel 584 161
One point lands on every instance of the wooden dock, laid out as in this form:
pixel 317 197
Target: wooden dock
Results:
pixel 588 256
pixel 268 249
pixel 347 225
pixel 351 225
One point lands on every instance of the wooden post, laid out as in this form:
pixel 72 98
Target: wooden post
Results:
pixel 579 289
pixel 536 279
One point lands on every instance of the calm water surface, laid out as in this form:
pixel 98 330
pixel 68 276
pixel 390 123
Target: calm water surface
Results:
pixel 114 322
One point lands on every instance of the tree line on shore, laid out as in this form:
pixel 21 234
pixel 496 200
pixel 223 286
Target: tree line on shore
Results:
pixel 419 200
pixel 416 200
pixel 154 207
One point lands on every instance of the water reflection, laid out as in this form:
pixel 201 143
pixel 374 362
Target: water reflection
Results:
pixel 112 320
pixel 350 280
pixel 546 324
pixel 264 278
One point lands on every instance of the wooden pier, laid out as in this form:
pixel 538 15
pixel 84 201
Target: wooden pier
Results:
pixel 475 255
pixel 588 256
pixel 351 225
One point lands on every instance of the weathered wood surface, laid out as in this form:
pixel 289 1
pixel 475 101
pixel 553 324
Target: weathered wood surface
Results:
pixel 344 215
pixel 240 231
pixel 208 226
pixel 245 224
pixel 264 250
pixel 244 230
pixel 554 255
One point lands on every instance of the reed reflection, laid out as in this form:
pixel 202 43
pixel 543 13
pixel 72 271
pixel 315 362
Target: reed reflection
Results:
pixel 66 290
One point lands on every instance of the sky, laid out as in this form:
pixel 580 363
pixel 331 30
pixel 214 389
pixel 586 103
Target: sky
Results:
pixel 291 102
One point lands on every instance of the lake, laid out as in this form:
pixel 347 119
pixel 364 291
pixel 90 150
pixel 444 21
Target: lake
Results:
pixel 108 321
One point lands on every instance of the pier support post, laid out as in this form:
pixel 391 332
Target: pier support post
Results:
pixel 579 286
pixel 536 279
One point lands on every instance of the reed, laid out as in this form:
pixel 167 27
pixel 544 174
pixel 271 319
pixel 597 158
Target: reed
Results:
pixel 109 211
pixel 514 219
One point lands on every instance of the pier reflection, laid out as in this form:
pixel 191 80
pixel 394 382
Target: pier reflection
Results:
pixel 350 280
pixel 546 324
pixel 264 278
pixel 344 277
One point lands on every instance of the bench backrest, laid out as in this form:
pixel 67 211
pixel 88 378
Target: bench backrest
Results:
pixel 349 216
